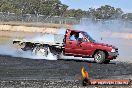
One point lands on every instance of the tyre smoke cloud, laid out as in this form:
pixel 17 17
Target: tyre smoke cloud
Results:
pixel 11 50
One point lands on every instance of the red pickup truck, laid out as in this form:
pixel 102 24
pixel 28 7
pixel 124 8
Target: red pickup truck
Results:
pixel 73 43
pixel 85 46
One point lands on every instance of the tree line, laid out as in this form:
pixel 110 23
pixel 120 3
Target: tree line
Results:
pixel 56 8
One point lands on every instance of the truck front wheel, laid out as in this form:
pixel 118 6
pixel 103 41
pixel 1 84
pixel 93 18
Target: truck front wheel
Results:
pixel 99 57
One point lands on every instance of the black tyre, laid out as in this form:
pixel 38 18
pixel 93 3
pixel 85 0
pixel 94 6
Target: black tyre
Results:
pixel 60 55
pixel 99 57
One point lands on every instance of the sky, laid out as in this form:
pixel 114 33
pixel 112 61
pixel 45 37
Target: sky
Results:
pixel 125 5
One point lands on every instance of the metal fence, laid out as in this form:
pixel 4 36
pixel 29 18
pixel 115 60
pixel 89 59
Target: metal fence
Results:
pixel 6 17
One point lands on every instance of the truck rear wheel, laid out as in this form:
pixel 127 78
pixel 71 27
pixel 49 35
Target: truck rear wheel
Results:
pixel 40 51
pixel 60 56
pixel 99 57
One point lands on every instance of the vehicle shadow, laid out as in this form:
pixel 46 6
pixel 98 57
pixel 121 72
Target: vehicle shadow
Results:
pixel 86 61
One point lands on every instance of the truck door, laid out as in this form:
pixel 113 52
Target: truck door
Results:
pixel 71 46
pixel 85 47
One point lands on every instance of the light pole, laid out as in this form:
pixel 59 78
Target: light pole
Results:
pixel 22 14
pixel 36 14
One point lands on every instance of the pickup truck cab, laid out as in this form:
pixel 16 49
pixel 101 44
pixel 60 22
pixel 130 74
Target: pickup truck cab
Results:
pixel 84 46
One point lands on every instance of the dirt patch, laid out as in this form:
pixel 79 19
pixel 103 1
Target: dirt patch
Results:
pixel 27 29
pixel 15 34
pixel 36 24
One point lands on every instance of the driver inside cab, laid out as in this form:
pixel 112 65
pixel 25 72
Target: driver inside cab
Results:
pixel 73 36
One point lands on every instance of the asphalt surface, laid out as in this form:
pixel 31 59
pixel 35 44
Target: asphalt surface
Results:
pixel 16 71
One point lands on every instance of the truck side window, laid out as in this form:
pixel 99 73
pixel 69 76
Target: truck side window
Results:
pixel 74 36
pixel 82 37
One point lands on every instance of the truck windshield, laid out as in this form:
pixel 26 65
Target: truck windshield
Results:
pixel 88 36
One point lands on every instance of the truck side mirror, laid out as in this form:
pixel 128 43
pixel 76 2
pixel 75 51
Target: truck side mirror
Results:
pixel 101 38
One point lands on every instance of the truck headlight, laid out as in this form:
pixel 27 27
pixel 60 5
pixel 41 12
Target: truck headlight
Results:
pixel 113 50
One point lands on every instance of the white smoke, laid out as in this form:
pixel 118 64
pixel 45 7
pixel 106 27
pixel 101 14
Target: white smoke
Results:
pixel 9 49
pixel 42 38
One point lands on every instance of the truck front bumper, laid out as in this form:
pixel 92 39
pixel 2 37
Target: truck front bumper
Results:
pixel 112 55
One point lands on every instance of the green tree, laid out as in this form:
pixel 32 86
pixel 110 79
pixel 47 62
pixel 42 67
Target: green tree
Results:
pixel 127 16
pixel 56 8
pixel 45 7
pixel 106 12
pixel 76 13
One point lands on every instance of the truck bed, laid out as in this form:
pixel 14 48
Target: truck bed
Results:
pixel 50 39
